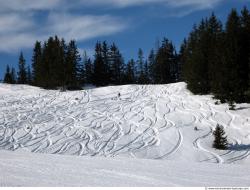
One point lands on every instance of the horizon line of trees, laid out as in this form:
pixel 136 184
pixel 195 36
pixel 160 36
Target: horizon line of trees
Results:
pixel 56 64
pixel 214 59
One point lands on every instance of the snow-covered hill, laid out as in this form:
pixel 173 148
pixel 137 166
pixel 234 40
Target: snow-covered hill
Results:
pixel 153 122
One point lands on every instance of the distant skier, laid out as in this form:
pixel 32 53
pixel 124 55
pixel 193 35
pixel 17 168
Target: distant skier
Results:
pixel 119 95
pixel 196 128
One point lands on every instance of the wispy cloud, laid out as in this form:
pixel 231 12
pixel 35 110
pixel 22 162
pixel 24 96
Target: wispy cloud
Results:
pixel 24 5
pixel 27 5
pixel 185 7
pixel 17 32
pixel 10 43
pixel 12 23
pixel 201 4
pixel 194 3
pixel 20 26
pixel 82 27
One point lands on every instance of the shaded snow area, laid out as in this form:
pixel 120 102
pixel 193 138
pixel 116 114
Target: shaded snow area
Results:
pixel 145 137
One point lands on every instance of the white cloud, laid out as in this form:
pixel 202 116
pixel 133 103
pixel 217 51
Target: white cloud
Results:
pixel 26 5
pixel 173 3
pixel 186 7
pixel 176 8
pixel 19 27
pixel 21 32
pixel 194 3
pixel 11 23
pixel 14 42
pixel 82 27
pixel 16 31
pixel 122 3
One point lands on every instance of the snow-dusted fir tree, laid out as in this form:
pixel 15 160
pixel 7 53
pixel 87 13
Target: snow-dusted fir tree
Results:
pixel 220 140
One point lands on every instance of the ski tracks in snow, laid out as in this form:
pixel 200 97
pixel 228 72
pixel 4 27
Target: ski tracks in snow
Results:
pixel 99 122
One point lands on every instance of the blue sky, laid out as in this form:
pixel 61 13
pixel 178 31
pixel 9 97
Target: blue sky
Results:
pixel 131 24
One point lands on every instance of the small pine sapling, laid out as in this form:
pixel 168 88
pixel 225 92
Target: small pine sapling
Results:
pixel 231 105
pixel 220 140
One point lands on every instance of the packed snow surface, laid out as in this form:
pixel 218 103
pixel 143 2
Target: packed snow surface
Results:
pixel 27 169
pixel 148 126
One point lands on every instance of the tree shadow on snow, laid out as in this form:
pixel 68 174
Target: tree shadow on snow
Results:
pixel 242 108
pixel 239 147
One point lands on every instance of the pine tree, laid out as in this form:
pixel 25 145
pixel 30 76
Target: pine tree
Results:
pixel 197 61
pixel 233 83
pixel 99 67
pixel 57 65
pixel 220 140
pixel 116 65
pixel 62 71
pixel 216 60
pixel 200 57
pixel 130 73
pixel 182 60
pixel 166 63
pixel 106 66
pixel 248 92
pixel 146 73
pixel 73 66
pixel 151 66
pixel 22 73
pixel 44 82
pixel 88 69
pixel 231 105
pixel 53 63
pixel 140 68
pixel 13 75
pixel 37 66
pixel 29 76
pixel 83 71
pixel 7 76
pixel 245 57
pixel 215 47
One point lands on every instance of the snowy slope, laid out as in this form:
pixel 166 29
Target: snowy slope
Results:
pixel 153 122
pixel 27 169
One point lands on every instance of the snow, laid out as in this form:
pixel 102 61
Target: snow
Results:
pixel 145 137
pixel 27 169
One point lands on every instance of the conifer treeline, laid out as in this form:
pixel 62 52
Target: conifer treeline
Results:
pixel 213 59
pixel 216 59
pixel 56 64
